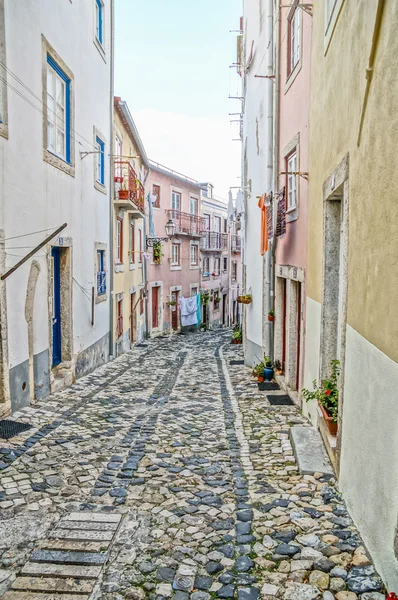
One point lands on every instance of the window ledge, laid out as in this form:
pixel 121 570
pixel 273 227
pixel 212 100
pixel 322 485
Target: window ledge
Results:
pixel 100 49
pixel 292 75
pixel 292 214
pixel 176 268
pixel 4 130
pixel 132 266
pixel 101 298
pixel 291 210
pixel 194 267
pixel 119 268
pixel 58 163
pixel 100 187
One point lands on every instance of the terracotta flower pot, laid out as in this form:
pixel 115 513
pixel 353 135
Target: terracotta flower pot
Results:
pixel 260 378
pixel 271 318
pixel 329 422
pixel 123 194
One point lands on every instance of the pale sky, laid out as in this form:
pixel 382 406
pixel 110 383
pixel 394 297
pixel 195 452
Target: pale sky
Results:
pixel 172 68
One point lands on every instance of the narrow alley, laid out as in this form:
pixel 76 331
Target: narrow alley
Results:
pixel 168 473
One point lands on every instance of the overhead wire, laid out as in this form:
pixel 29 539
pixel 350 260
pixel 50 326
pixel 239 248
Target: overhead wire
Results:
pixel 14 237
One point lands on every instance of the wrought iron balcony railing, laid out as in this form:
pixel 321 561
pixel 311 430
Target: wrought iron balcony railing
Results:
pixel 186 223
pixel 236 243
pixel 128 187
pixel 214 241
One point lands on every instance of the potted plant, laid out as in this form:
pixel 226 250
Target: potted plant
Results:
pixel 118 179
pixel 245 299
pixel 124 192
pixel 258 371
pixel 271 315
pixel 171 303
pixel 157 253
pixel 204 297
pixel 202 327
pixel 327 396
pixel 237 337
pixel 268 369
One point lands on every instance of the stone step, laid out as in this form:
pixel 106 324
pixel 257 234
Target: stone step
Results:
pixel 52 584
pixel 95 536
pixel 69 558
pixel 42 596
pixel 93 517
pixel 309 451
pixel 52 570
pixel 74 545
pixel 87 525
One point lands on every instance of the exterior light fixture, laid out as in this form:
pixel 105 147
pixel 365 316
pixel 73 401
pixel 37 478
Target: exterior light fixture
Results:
pixel 170 228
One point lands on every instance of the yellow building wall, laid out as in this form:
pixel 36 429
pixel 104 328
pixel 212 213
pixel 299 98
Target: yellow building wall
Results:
pixel 132 275
pixel 337 91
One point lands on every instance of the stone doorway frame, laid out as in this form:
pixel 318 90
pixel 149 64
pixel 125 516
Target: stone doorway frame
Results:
pixel 333 326
pixel 5 399
pixel 66 246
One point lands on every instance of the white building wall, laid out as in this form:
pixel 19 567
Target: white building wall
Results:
pixel 36 195
pixel 255 136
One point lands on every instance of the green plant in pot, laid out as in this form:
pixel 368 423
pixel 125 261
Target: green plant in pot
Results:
pixel 258 371
pixel 237 337
pixel 327 396
pixel 271 315
pixel 157 253
pixel 268 369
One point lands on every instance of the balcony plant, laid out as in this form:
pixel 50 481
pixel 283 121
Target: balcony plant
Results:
pixel 271 315
pixel 124 191
pixel 205 297
pixel 171 303
pixel 327 396
pixel 245 299
pixel 157 253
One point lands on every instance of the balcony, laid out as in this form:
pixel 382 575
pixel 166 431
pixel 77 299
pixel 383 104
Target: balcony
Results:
pixel 212 241
pixel 129 191
pixel 236 244
pixel 186 223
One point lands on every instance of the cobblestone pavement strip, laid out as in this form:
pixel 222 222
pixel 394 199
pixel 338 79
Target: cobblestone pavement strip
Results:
pixel 167 474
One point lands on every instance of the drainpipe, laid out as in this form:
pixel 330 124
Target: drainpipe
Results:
pixel 111 182
pixel 268 287
pixel 276 164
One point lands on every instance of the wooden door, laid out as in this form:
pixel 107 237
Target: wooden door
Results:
pixel 133 335
pixel 56 316
pixel 155 307
pixel 284 328
pixel 174 311
pixel 298 335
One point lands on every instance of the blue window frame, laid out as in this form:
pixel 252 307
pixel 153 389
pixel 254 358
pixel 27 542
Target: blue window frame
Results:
pixel 101 273
pixel 99 21
pixel 100 163
pixel 58 111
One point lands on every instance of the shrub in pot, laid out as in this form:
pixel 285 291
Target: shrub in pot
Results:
pixel 327 396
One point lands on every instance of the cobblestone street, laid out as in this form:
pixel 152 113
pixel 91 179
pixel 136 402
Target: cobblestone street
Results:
pixel 166 473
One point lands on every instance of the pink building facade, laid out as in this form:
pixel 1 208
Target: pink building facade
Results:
pixel 293 72
pixel 176 272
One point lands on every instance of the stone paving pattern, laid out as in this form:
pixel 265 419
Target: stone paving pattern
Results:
pixel 186 448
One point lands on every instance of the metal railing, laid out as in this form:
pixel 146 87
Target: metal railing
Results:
pixel 187 223
pixel 127 184
pixel 236 243
pixel 214 241
pixel 101 283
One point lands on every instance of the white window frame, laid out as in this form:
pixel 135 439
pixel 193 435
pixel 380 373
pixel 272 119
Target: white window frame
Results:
pixel 225 264
pixel 175 262
pixel 217 261
pixel 234 270
pixel 295 39
pixel 196 246
pixel 292 181
pixel 55 123
pixel 174 195
pixel 206 262
pixel 193 199
pixel 99 22
pixel 332 12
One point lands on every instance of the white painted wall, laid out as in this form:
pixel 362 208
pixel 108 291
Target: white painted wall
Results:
pixel 312 353
pixel 255 136
pixel 36 195
pixel 369 458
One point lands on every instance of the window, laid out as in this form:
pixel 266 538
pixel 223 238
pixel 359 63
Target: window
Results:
pixel 291 183
pixel 99 21
pixel 175 200
pixel 132 242
pixel 206 267
pixel 175 255
pixel 194 291
pixel 225 264
pixel 194 255
pixel 225 225
pixel 234 270
pixel 330 4
pixel 58 111
pixel 293 39
pixel 217 266
pixel 156 194
pixel 193 205
pixel 207 221
pixel 217 224
pixel 119 240
pixel 100 162
pixel 119 327
pixel 140 243
pixel 101 273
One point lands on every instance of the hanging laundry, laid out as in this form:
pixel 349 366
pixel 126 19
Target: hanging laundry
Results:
pixel 198 309
pixel 188 311
pixel 281 213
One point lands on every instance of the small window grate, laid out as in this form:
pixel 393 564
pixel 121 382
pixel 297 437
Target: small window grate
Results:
pixel 280 400
pixel 9 429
